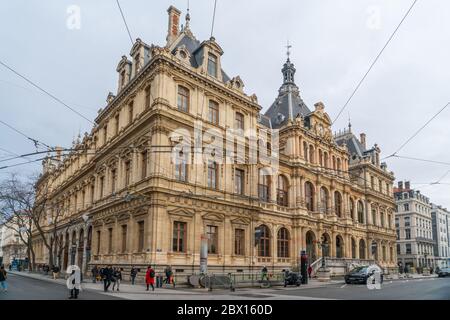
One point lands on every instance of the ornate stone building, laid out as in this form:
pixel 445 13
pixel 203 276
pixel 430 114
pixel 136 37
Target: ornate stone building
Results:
pixel 142 205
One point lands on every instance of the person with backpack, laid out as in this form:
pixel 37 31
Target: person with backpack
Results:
pixel 3 283
pixel 150 278
pixel 133 274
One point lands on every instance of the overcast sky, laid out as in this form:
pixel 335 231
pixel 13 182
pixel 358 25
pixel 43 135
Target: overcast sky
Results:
pixel 334 42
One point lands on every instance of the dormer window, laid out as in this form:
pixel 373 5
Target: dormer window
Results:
pixel 122 78
pixel 183 54
pixel 137 64
pixel 212 65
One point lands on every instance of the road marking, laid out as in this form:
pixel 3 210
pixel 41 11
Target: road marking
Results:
pixel 343 286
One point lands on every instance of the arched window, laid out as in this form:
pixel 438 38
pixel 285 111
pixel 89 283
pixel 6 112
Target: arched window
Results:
pixel 311 154
pixel 282 191
pixel 360 212
pixel 264 186
pixel 309 196
pixel 352 209
pixel 283 243
pixel 339 247
pixel 338 163
pixel 338 203
pixel 333 160
pixel 263 233
pixel 323 200
pixel 382 222
pixel 362 249
pixel 320 158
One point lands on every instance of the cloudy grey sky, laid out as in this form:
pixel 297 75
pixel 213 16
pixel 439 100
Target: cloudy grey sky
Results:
pixel 334 42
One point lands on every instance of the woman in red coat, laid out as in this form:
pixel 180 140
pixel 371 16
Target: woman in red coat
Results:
pixel 150 278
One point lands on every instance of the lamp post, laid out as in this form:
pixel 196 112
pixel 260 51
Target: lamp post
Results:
pixel 323 274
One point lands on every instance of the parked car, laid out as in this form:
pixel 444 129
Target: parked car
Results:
pixel 444 272
pixel 361 274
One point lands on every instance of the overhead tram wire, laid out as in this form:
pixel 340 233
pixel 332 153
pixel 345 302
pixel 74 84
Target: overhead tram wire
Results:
pixel 45 91
pixel 374 62
pixel 417 132
pixel 35 141
pixel 125 22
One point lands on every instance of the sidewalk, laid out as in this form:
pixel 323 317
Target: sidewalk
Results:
pixel 409 276
pixel 138 291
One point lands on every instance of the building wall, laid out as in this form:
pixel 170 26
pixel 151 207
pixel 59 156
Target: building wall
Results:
pixel 95 181
pixel 440 235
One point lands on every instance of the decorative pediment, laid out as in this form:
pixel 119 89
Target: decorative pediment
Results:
pixel 183 54
pixel 237 83
pixel 123 216
pixel 240 220
pixel 213 216
pixel 110 220
pixel 183 212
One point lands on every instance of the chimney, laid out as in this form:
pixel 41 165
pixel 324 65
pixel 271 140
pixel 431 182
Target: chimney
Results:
pixel 407 185
pixel 400 185
pixel 174 24
pixel 363 139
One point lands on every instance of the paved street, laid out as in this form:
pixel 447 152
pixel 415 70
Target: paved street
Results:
pixel 29 287
pixel 23 288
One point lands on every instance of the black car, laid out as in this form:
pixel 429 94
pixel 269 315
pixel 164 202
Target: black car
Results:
pixel 360 275
pixel 444 272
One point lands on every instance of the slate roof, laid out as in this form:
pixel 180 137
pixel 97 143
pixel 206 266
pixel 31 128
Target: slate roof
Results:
pixel 196 52
pixel 289 104
pixel 353 145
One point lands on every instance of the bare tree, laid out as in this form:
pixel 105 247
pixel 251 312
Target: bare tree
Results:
pixel 16 211
pixel 27 208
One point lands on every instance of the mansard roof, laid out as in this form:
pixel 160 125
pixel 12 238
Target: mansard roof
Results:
pixel 195 49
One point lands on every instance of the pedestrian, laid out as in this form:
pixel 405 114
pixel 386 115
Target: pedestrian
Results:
pixel 150 278
pixel 55 271
pixel 169 273
pixel 74 281
pixel 264 272
pixel 107 277
pixel 133 274
pixel 117 278
pixel 3 283
pixel 10 267
pixel 309 271
pixel 94 273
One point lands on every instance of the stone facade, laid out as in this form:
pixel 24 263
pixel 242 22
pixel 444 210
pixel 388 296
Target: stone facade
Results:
pixel 440 218
pixel 142 206
pixel 414 227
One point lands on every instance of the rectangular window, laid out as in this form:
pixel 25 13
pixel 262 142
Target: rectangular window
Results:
pixel 183 99
pixel 124 238
pixel 99 238
pixel 239 121
pixel 147 97
pixel 140 236
pixel 406 207
pixel 179 236
pixel 92 193
pixel 239 181
pixel 105 134
pixel 181 167
pixel 212 65
pixel 130 112
pixel 127 173
pixel 212 175
pixel 102 186
pixel 239 242
pixel 144 160
pixel 407 222
pixel 407 234
pixel 213 112
pixel 137 64
pixel 113 180
pixel 408 248
pixel 263 188
pixel 398 234
pixel 110 240
pixel 213 239
pixel 117 119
